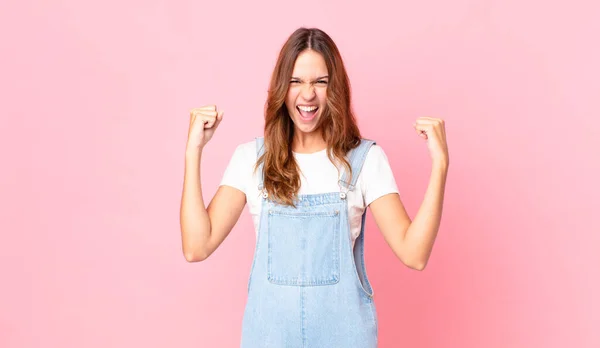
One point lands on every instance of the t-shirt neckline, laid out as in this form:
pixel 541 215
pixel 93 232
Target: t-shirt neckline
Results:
pixel 309 154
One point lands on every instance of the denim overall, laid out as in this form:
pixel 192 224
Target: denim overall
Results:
pixel 305 289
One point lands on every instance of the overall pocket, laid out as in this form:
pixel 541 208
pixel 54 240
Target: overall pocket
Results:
pixel 304 247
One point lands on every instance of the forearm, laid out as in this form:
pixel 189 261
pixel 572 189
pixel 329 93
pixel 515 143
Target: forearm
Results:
pixel 194 219
pixel 422 232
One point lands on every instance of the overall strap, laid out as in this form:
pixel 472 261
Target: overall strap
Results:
pixel 356 157
pixel 260 149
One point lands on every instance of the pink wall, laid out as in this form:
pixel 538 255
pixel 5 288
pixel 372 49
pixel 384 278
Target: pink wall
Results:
pixel 94 107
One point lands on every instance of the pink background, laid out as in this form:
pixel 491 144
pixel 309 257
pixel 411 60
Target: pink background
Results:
pixel 94 106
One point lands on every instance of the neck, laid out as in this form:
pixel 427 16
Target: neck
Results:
pixel 308 142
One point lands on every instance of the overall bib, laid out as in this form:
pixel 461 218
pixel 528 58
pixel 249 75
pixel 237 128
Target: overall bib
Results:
pixel 308 287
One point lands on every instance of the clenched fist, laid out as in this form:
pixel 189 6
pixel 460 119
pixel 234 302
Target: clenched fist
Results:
pixel 203 123
pixel 434 131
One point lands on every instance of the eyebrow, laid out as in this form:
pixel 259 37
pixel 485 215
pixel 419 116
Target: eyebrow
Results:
pixel 318 78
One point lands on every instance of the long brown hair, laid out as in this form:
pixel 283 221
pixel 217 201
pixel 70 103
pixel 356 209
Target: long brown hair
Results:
pixel 337 122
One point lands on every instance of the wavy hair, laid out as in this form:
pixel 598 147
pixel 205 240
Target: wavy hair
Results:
pixel 337 123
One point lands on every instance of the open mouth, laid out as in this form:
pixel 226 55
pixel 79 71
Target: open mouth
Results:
pixel 307 112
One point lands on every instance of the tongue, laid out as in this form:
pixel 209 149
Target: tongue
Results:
pixel 307 114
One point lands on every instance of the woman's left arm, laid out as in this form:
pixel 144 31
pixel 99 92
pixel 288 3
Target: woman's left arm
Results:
pixel 412 241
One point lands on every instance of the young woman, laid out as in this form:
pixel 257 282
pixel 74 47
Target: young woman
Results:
pixel 308 183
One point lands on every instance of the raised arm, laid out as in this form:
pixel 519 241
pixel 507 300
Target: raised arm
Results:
pixel 203 228
pixel 412 241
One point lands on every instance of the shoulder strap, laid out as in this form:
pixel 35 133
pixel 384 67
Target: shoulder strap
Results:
pixel 356 157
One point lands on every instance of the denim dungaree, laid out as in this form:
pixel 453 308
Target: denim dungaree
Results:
pixel 305 289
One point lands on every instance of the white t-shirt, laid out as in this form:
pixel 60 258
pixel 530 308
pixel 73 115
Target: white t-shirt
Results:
pixel 318 175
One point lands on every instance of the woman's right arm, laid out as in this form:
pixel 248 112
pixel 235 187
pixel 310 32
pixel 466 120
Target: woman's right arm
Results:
pixel 203 228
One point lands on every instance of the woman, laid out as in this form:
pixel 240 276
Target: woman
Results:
pixel 308 183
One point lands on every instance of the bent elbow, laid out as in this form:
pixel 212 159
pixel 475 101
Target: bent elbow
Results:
pixel 418 266
pixel 412 263
pixel 194 256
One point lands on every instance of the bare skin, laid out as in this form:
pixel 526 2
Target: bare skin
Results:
pixel 203 228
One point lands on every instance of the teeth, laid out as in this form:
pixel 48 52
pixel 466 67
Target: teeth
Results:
pixel 307 108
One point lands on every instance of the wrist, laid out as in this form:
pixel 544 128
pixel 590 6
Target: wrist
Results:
pixel 441 165
pixel 193 151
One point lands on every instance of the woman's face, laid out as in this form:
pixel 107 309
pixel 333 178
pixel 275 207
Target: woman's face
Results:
pixel 307 94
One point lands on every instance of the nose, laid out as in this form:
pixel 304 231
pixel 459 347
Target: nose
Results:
pixel 308 91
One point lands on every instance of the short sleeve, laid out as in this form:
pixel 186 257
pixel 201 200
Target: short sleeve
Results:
pixel 377 178
pixel 238 173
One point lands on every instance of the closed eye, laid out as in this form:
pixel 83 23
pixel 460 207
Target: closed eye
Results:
pixel 323 82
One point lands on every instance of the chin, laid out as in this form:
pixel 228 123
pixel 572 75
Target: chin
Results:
pixel 305 127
